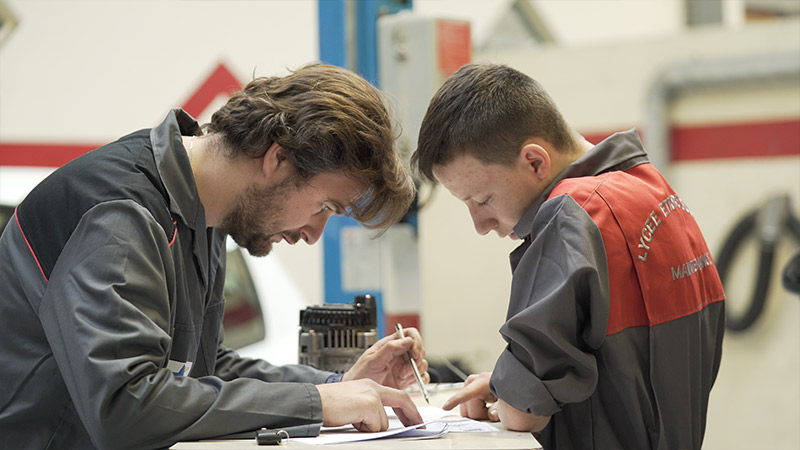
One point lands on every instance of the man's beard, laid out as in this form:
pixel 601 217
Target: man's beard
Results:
pixel 245 223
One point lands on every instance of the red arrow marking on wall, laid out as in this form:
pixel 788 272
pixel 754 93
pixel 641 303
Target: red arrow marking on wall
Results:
pixel 221 81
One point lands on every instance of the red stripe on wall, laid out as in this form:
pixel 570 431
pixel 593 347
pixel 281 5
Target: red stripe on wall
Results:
pixel 745 140
pixel 689 143
pixel 741 140
pixel 40 155
pixel 220 82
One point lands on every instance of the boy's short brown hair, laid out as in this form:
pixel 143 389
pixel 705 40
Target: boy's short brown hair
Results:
pixel 488 111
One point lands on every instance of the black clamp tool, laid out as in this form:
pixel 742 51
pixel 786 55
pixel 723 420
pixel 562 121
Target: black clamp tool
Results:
pixel 271 437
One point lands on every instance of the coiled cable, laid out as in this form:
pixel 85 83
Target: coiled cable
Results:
pixel 767 224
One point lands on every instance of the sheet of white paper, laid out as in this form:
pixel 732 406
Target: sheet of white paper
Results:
pixel 456 423
pixel 465 425
pixel 437 422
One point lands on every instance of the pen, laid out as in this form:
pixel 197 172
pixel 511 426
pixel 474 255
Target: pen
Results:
pixel 414 366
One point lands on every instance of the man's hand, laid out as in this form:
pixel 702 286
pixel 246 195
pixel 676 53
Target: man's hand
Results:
pixel 476 399
pixel 478 402
pixel 361 403
pixel 386 362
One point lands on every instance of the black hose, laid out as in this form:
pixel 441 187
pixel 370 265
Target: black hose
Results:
pixel 791 274
pixel 730 248
pixel 745 227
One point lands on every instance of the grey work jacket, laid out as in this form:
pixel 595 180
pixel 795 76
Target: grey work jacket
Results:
pixel 111 305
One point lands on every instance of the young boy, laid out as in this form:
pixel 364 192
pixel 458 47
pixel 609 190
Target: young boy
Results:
pixel 615 321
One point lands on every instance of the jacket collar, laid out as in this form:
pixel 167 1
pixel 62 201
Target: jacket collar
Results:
pixel 621 151
pixel 178 179
pixel 175 169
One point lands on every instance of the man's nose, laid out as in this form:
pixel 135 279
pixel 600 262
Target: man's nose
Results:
pixel 312 231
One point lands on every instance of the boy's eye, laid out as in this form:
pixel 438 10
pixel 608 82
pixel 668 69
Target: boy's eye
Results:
pixel 483 203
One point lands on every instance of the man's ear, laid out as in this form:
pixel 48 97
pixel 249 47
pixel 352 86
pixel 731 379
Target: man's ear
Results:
pixel 274 161
pixel 536 160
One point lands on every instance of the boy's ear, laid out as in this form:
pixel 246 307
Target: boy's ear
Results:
pixel 536 160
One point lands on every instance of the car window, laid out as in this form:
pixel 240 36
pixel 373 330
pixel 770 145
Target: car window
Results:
pixel 243 321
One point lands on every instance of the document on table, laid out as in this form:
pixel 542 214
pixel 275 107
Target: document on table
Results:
pixel 437 423
pixel 455 423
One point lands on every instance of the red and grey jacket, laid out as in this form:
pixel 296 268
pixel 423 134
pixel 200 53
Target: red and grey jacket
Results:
pixel 615 321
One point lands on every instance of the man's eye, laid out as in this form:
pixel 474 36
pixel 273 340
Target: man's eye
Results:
pixel 483 203
pixel 332 209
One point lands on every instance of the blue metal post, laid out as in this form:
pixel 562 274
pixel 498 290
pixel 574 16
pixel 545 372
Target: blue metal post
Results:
pixel 332 37
pixel 335 49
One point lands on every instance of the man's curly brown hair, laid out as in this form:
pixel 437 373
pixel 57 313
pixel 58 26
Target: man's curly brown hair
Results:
pixel 328 119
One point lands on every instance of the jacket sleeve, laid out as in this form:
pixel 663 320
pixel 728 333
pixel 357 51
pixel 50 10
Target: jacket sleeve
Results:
pixel 558 313
pixel 230 365
pixel 106 313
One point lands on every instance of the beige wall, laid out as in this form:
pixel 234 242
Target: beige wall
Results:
pixel 90 71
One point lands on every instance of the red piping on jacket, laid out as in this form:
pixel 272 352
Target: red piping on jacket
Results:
pixel 175 234
pixel 29 246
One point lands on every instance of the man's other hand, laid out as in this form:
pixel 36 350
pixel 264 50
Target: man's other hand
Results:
pixel 361 403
